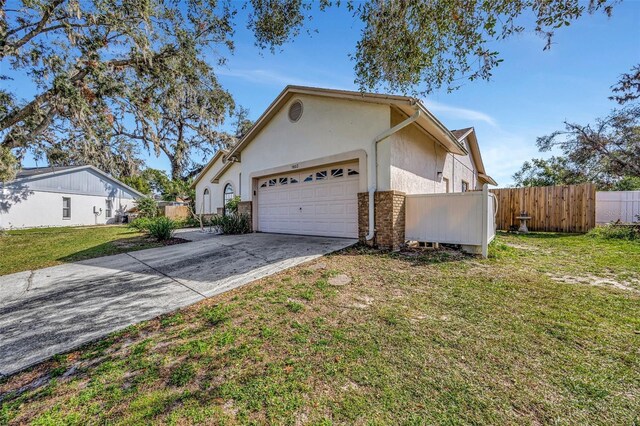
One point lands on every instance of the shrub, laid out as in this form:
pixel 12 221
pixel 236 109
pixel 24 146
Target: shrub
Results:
pixel 140 224
pixel 616 231
pixel 147 206
pixel 234 223
pixel 162 228
pixel 232 205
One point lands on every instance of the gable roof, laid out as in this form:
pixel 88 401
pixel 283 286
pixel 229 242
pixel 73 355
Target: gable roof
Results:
pixel 35 171
pixel 470 134
pixel 462 133
pixel 42 172
pixel 405 103
pixel 208 166
pixel 427 121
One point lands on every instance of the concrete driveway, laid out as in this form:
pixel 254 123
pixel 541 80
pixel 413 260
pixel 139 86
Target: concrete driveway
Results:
pixel 53 310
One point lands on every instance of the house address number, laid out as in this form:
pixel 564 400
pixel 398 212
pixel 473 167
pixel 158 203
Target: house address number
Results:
pixel 295 166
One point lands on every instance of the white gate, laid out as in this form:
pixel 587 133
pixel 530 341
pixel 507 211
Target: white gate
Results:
pixel 465 218
pixel 612 206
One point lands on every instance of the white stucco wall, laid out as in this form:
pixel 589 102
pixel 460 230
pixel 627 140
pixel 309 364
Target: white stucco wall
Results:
pixel 463 168
pixel 416 159
pixel 408 161
pixel 216 190
pixel 327 127
pixel 43 209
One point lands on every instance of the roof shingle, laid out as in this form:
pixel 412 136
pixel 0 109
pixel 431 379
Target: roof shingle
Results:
pixel 34 171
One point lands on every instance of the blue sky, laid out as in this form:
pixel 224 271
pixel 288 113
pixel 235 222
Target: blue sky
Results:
pixel 531 93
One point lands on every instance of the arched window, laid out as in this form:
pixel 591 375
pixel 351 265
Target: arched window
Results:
pixel 228 193
pixel 206 201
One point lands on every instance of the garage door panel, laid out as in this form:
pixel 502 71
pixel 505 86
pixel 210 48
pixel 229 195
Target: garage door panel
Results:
pixel 294 195
pixel 324 201
pixel 337 209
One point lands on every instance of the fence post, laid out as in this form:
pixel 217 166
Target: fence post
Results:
pixel 485 220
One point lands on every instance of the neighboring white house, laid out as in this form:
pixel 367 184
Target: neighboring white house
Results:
pixel 301 166
pixel 63 196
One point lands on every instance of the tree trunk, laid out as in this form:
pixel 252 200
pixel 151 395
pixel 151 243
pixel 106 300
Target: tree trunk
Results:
pixel 177 159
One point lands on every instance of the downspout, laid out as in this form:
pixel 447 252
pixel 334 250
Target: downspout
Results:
pixel 373 166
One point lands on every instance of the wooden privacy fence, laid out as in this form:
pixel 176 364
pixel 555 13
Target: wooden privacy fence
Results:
pixel 566 208
pixel 175 212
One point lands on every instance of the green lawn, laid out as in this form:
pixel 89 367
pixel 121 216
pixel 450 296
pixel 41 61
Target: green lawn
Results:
pixel 27 249
pixel 545 331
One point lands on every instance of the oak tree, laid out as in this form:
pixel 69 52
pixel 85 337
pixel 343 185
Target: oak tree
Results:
pixel 98 67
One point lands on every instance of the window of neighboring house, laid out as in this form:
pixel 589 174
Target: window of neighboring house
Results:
pixel 228 193
pixel 66 208
pixel 108 209
pixel 465 186
pixel 446 184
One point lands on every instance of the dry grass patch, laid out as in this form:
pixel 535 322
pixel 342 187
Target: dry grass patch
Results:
pixel 418 338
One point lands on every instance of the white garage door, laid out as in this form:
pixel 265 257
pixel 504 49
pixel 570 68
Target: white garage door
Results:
pixel 322 201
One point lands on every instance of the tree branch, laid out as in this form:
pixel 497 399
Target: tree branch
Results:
pixel 46 15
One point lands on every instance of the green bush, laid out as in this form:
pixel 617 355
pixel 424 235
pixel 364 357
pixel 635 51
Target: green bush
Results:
pixel 162 228
pixel 616 231
pixel 232 205
pixel 234 223
pixel 147 206
pixel 140 224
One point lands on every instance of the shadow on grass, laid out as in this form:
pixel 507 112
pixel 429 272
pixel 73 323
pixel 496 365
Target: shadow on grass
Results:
pixel 539 235
pixel 110 248
pixel 413 256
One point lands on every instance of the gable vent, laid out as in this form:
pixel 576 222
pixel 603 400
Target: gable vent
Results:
pixel 295 111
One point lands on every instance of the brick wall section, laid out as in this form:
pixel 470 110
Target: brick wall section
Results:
pixel 389 218
pixel 245 207
pixel 363 215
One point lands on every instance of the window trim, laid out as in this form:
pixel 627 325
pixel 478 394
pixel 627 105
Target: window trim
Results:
pixel 446 184
pixel 108 209
pixel 66 208
pixel 224 194
pixel 464 182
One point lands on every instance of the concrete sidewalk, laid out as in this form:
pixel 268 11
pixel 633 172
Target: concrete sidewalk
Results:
pixel 54 310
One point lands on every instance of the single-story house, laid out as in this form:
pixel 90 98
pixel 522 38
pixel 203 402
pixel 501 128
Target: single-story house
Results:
pixel 63 196
pixel 339 163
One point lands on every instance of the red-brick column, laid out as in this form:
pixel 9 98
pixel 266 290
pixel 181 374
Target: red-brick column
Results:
pixel 389 218
pixel 245 208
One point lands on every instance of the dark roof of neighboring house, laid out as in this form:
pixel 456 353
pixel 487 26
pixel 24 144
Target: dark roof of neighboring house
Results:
pixel 461 132
pixel 34 171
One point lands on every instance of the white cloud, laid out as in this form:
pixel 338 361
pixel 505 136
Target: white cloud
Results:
pixel 266 77
pixel 503 153
pixel 460 113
